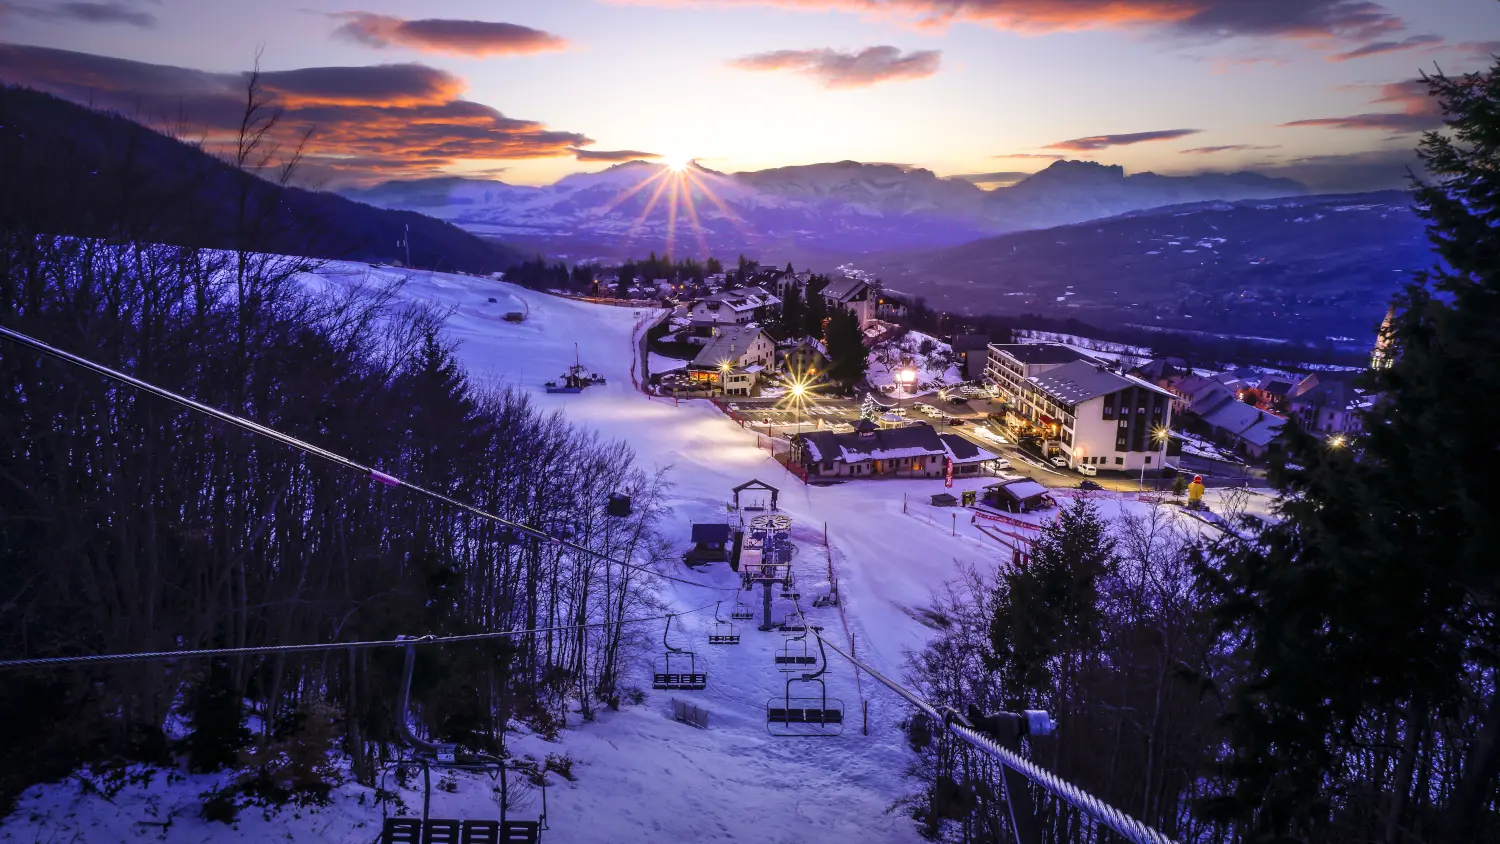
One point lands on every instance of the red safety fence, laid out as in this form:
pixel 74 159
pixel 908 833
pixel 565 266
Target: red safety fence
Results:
pixel 1004 519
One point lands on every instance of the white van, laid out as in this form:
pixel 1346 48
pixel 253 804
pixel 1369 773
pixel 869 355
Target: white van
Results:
pixel 1086 470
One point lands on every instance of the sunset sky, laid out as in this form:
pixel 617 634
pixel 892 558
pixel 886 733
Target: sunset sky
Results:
pixel 528 92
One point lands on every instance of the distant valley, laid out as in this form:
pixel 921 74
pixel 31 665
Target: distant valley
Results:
pixel 820 213
pixel 1305 268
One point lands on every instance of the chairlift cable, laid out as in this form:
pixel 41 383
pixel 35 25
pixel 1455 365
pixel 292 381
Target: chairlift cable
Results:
pixel 156 656
pixel 332 457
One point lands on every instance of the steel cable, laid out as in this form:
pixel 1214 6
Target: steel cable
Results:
pixel 150 656
pixel 332 457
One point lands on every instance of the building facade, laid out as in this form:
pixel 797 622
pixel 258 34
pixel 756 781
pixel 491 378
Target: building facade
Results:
pixel 852 295
pixel 1097 418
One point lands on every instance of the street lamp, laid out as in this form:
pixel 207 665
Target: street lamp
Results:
pixel 1159 435
pixel 798 391
pixel 905 375
pixel 1337 441
pixel 724 367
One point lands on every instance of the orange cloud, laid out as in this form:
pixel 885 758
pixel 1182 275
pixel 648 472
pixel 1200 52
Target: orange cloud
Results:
pixel 436 35
pixel 1419 111
pixel 837 69
pixel 387 120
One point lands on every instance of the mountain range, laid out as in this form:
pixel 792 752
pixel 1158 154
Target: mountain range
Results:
pixel 67 169
pixel 814 212
pixel 1309 268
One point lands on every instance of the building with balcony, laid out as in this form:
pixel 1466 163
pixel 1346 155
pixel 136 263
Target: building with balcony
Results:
pixel 1098 418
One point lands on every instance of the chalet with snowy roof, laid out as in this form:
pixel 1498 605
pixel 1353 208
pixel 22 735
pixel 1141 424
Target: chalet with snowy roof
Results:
pixel 1017 496
pixel 853 295
pixel 1095 417
pixel 967 457
pixel 738 306
pixel 869 451
pixel 734 359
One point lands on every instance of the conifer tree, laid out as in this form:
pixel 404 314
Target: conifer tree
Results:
pixel 1370 608
pixel 1048 613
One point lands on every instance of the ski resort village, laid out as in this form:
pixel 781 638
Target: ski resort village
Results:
pixel 782 545
pixel 749 422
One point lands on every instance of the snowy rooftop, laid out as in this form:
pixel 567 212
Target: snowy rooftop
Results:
pixel 962 451
pixel 1040 353
pixel 844 289
pixel 888 444
pixel 730 344
pixel 1081 380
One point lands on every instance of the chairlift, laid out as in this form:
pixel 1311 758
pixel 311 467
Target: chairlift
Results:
pixel 741 612
pixel 665 679
pixel 450 757
pixel 791 658
pixel 793 623
pixel 806 716
pixel 723 630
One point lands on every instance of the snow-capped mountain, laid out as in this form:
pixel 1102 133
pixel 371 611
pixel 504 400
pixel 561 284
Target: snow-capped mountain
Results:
pixel 830 210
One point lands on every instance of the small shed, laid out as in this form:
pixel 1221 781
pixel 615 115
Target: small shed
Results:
pixel 710 544
pixel 1017 496
pixel 943 499
pixel 755 494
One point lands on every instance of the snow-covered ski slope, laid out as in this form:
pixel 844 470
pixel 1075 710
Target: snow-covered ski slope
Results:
pixel 642 777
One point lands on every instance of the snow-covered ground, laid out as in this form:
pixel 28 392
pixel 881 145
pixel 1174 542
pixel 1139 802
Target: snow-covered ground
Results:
pixel 1101 349
pixel 640 775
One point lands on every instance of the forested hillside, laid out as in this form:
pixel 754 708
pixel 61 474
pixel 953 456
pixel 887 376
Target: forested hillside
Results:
pixel 84 172
pixel 131 524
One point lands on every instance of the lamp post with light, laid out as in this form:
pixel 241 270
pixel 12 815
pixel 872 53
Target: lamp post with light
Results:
pixel 904 375
pixel 724 367
pixel 1159 436
pixel 797 392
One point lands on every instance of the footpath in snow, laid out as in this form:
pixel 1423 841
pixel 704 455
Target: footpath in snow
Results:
pixel 640 775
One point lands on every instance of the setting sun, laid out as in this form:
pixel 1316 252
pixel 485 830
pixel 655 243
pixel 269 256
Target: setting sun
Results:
pixel 676 163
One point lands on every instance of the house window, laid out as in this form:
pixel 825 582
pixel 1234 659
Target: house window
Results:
pixel 1109 411
pixel 1148 460
pixel 1119 461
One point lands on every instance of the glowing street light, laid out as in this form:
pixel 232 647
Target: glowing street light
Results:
pixel 1337 441
pixel 1159 435
pixel 905 375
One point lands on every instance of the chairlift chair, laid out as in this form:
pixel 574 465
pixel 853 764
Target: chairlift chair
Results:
pixel 665 679
pixel 723 633
pixel 790 658
pixel 806 716
pixel 429 755
pixel 741 612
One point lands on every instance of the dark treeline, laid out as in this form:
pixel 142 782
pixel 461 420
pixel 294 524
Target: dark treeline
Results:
pixel 1333 676
pixel 129 524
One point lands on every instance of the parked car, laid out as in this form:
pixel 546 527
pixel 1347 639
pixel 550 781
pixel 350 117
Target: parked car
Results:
pixel 1061 462
pixel 1092 485
pixel 1086 470
pixel 954 420
pixel 959 400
